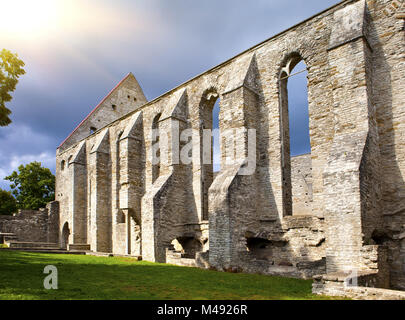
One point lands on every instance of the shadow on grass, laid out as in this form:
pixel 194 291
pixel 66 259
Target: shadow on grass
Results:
pixel 89 277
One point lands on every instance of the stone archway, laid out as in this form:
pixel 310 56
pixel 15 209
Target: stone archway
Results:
pixel 65 236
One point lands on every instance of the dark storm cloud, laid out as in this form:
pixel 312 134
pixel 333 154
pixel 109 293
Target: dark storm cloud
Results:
pixel 164 43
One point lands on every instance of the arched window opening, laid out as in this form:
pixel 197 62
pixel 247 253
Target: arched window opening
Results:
pixel 92 130
pixel 209 108
pixel 259 248
pixel 187 246
pixel 62 165
pixel 296 146
pixel 155 148
pixel 298 111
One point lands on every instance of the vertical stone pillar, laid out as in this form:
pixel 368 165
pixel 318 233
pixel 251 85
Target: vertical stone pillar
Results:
pixel 165 203
pixel 100 194
pixel 53 222
pixel 347 210
pixel 132 189
pixel 232 196
pixel 79 194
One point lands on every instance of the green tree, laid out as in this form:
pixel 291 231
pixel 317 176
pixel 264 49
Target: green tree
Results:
pixel 8 204
pixel 10 70
pixel 33 186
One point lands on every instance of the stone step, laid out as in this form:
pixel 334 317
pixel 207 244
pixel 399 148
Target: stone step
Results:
pixel 79 247
pixel 27 245
pixel 45 250
pixel 106 254
pixel 99 254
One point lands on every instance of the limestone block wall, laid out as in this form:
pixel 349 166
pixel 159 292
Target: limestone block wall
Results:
pixel 386 36
pixel 33 225
pixel 130 175
pixel 100 213
pixel 297 251
pixel 352 129
pixel 53 222
pixel 168 206
pixel 292 216
pixel 78 199
pixel 301 183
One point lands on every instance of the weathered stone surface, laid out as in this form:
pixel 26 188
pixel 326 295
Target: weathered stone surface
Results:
pixel 33 225
pixel 340 208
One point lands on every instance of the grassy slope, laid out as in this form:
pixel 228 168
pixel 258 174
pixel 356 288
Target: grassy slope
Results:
pixel 89 277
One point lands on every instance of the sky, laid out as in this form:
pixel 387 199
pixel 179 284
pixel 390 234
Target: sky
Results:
pixel 76 51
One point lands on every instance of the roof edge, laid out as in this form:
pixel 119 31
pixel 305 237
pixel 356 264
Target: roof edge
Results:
pixel 95 108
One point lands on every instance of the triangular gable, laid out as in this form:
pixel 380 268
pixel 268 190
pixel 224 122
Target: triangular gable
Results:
pixel 124 98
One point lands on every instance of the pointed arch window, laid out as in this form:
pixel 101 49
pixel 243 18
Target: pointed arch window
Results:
pixel 209 108
pixel 295 137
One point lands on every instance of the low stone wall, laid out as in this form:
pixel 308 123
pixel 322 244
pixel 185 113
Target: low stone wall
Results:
pixel 301 270
pixel 346 285
pixel 364 293
pixel 338 288
pixel 296 248
pixel 202 260
pixel 53 222
pixel 79 247
pixel 33 225
pixel 176 258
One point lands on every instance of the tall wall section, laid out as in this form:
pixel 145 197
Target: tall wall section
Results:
pixel 354 53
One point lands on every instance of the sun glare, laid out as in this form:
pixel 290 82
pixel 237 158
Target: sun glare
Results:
pixel 29 18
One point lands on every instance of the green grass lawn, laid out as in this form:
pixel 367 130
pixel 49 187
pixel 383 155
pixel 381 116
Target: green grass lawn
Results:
pixel 90 277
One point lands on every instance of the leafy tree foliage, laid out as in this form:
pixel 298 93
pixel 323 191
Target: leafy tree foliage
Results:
pixel 8 204
pixel 33 186
pixel 10 70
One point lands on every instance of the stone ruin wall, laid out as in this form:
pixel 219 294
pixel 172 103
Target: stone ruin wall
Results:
pixel 301 183
pixel 33 225
pixel 112 197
